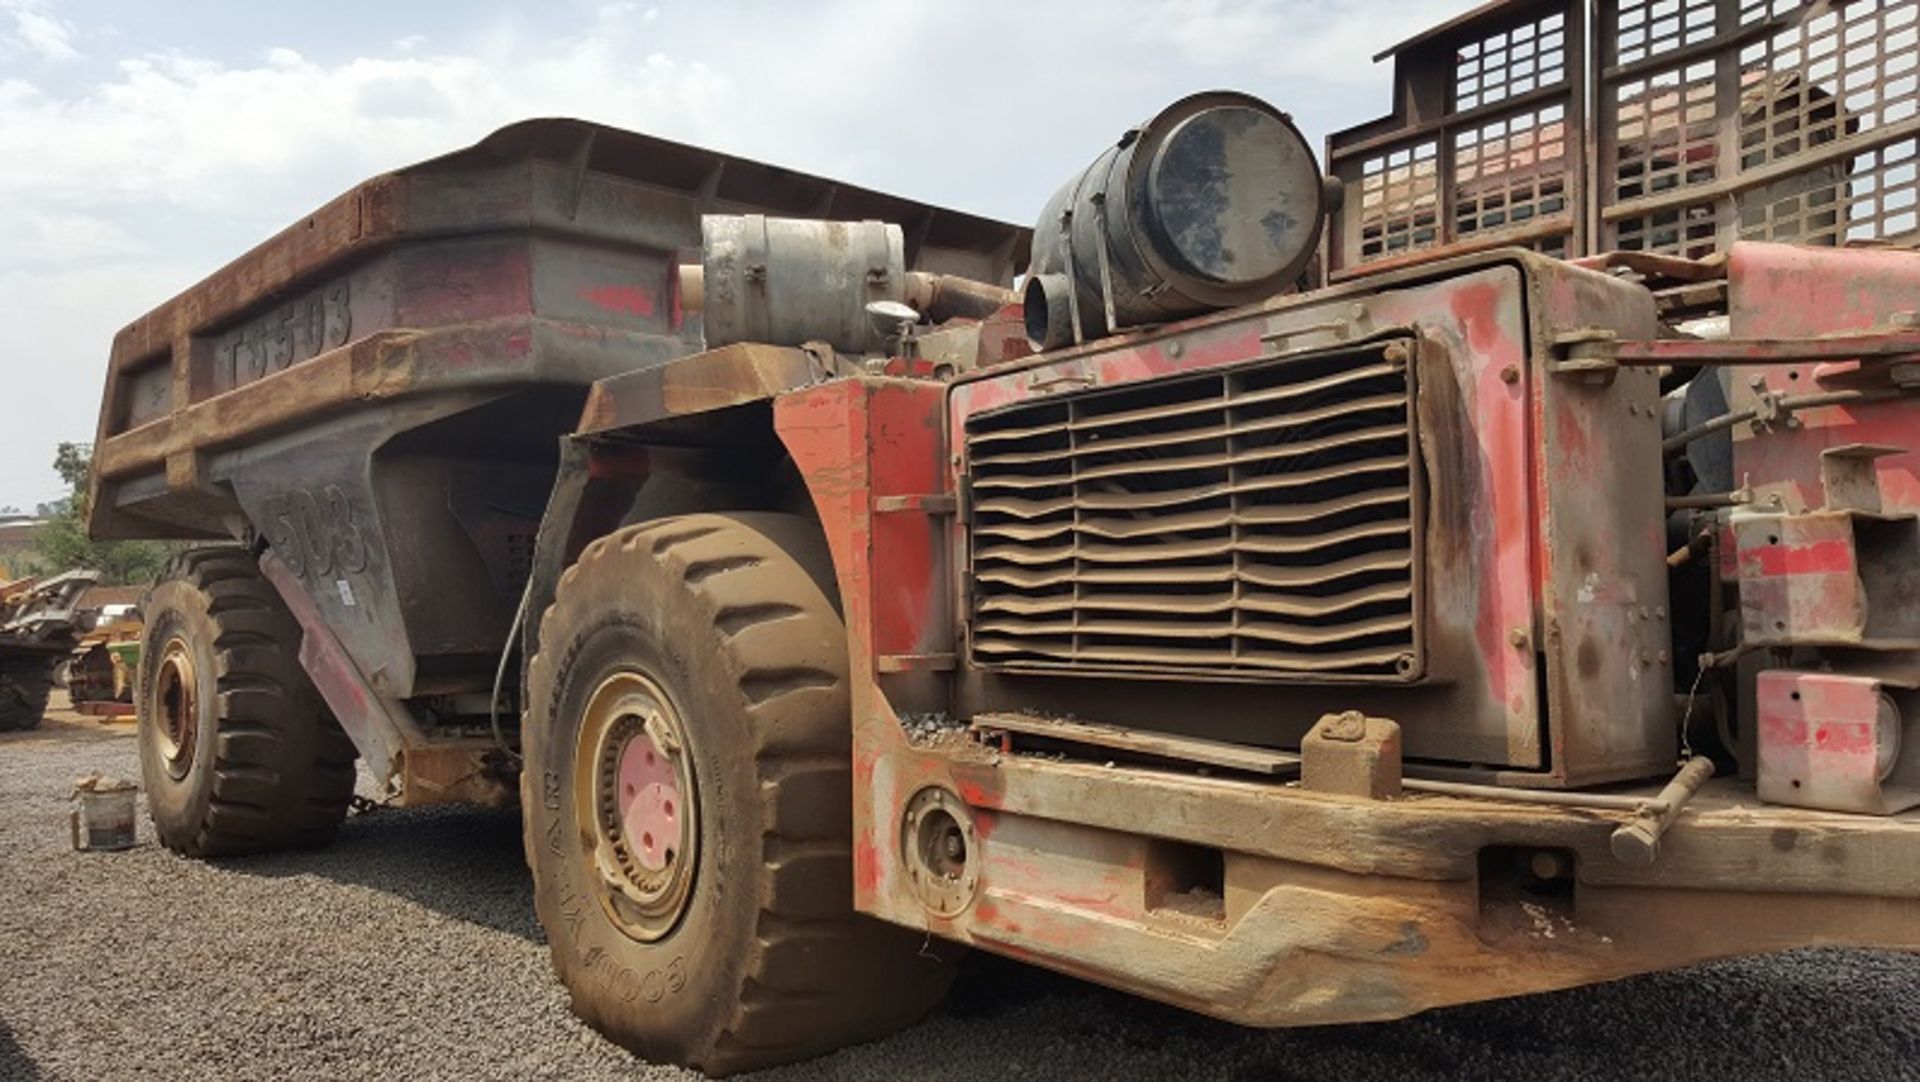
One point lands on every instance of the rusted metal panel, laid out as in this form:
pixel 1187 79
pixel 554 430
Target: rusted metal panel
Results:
pixel 1530 481
pixel 856 442
pixel 1713 121
pixel 1791 293
pixel 378 727
pixel 1799 580
pixel 1003 727
pixel 894 426
pixel 714 380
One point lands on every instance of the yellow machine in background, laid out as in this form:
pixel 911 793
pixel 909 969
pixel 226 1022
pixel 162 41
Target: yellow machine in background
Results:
pixel 100 670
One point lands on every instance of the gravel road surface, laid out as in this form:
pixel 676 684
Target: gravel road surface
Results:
pixel 408 950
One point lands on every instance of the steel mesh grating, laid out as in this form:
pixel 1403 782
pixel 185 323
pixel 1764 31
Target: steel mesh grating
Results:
pixel 1655 27
pixel 1257 521
pixel 1873 196
pixel 1836 75
pixel 1689 231
pixel 1510 173
pixel 1510 63
pixel 1665 132
pixel 1399 209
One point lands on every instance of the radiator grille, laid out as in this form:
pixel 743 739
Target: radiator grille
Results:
pixel 1256 521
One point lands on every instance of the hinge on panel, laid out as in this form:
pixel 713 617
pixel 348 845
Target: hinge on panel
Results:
pixel 1587 354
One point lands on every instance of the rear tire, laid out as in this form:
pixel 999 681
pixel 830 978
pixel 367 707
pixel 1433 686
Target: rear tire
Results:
pixel 724 633
pixel 238 753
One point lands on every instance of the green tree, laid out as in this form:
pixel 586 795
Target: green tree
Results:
pixel 62 544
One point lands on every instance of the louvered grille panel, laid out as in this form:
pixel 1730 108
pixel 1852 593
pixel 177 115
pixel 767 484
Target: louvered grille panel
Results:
pixel 1256 521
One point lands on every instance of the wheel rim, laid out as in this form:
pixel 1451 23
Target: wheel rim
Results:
pixel 176 707
pixel 634 783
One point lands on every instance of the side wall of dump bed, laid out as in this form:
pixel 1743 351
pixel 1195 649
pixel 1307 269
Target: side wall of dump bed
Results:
pixel 378 390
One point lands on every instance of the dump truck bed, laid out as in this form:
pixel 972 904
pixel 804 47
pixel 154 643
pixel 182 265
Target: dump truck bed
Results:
pixel 542 254
pixel 379 390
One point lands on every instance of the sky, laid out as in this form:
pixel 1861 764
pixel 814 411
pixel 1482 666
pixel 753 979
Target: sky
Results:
pixel 143 145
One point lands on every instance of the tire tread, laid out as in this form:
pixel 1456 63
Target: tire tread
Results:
pixel 282 772
pixel 820 976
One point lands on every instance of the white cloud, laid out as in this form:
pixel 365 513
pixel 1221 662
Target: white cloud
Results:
pixel 199 134
pixel 39 32
pixel 1329 43
pixel 54 239
pixel 119 192
pixel 55 365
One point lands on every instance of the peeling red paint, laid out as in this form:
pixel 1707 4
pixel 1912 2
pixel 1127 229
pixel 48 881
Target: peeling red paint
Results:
pixel 1476 309
pixel 855 440
pixel 1848 737
pixel 1789 291
pixel 631 299
pixel 1818 558
pixel 866 866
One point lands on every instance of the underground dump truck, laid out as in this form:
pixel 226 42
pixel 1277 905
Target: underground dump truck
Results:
pixel 1294 643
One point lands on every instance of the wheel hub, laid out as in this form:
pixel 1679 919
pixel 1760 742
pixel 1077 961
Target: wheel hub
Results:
pixel 635 785
pixel 175 707
pixel 648 803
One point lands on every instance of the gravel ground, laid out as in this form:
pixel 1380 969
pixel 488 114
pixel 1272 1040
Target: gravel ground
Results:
pixel 409 949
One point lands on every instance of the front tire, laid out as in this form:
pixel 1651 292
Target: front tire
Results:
pixel 238 753
pixel 688 804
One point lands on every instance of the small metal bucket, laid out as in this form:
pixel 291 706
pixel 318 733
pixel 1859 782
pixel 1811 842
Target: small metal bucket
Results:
pixel 104 820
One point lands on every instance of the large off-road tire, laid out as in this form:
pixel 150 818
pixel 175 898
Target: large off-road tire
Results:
pixel 702 658
pixel 26 680
pixel 238 752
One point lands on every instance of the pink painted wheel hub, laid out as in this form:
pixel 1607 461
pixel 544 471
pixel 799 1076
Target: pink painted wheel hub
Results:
pixel 650 804
pixel 634 783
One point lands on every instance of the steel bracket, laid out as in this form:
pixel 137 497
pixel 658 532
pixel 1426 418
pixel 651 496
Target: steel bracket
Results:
pixel 1835 742
pixel 1589 355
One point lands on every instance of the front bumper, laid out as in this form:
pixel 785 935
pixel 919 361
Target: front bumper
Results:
pixel 1327 909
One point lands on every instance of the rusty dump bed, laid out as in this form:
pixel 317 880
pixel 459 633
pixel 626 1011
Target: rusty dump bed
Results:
pixel 568 228
pixel 378 390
